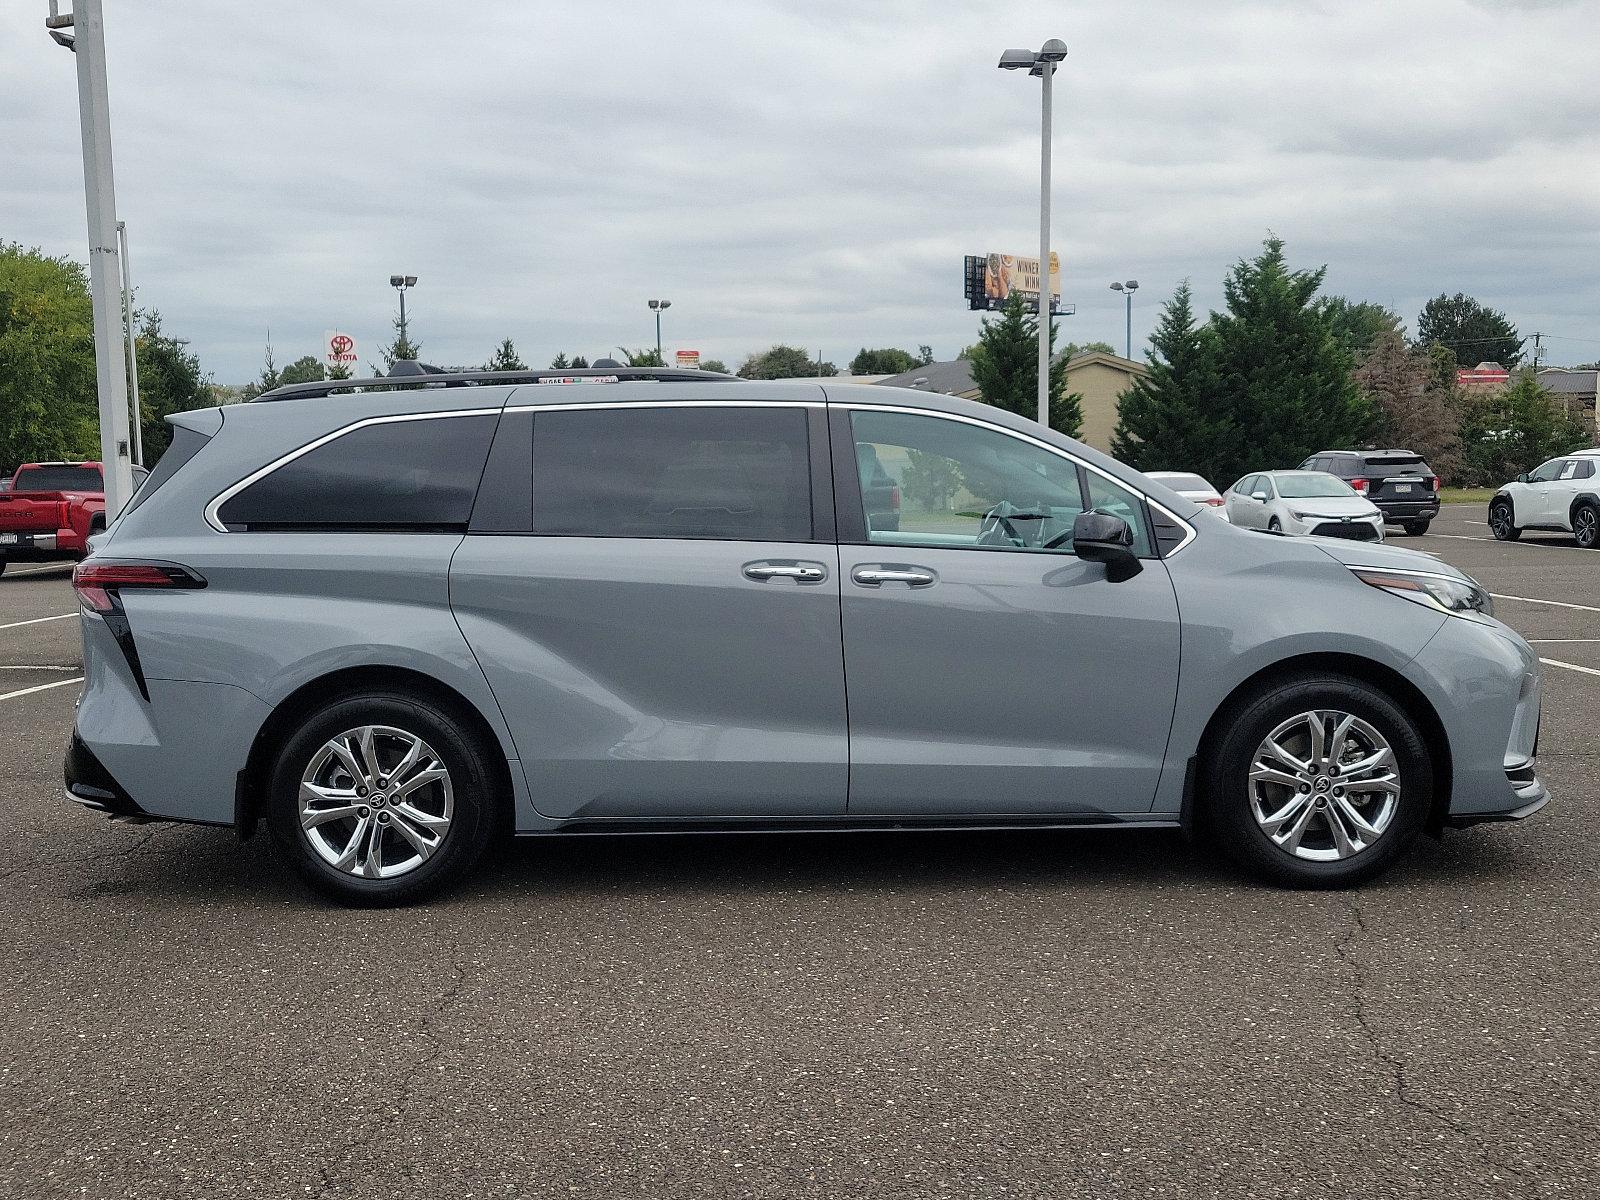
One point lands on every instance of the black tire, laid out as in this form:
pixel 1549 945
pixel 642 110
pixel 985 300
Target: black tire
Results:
pixel 1274 526
pixel 1586 525
pixel 1228 807
pixel 1417 528
pixel 3 565
pixel 1502 521
pixel 472 776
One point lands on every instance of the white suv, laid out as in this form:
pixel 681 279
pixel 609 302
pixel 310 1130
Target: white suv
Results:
pixel 1563 494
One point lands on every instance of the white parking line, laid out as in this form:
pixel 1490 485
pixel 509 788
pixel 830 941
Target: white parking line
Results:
pixel 37 570
pixel 1553 662
pixel 38 620
pixel 35 667
pixel 1552 603
pixel 44 687
pixel 1470 537
pixel 1530 641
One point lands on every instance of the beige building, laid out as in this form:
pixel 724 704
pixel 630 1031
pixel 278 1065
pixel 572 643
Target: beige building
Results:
pixel 1099 378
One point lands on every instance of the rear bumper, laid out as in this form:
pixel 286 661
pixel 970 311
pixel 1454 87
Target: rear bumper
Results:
pixel 30 545
pixel 1408 510
pixel 91 785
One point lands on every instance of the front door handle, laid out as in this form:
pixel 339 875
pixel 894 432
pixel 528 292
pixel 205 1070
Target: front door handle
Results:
pixel 798 571
pixel 877 576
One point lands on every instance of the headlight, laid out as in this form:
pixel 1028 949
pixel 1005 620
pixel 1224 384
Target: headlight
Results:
pixel 1443 592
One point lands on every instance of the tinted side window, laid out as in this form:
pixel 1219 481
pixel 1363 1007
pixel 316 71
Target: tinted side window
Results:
pixel 1546 472
pixel 721 473
pixel 1585 469
pixel 409 475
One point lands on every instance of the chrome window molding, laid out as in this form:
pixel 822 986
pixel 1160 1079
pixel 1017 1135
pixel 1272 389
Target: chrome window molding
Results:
pixel 1189 532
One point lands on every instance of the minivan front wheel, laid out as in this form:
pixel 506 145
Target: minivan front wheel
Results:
pixel 382 798
pixel 1319 781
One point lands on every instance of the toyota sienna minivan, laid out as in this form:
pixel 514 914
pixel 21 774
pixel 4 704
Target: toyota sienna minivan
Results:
pixel 397 620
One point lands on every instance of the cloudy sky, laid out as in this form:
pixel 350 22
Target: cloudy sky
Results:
pixel 804 172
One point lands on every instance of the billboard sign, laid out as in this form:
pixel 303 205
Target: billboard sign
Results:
pixel 991 279
pixel 339 349
pixel 689 359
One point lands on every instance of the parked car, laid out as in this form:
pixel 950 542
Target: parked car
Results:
pixel 1562 494
pixel 1191 487
pixel 50 511
pixel 396 624
pixel 1400 483
pixel 1303 502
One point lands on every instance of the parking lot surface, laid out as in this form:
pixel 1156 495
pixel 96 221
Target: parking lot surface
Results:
pixel 1087 1014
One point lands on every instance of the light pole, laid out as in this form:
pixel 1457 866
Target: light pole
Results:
pixel 1128 289
pixel 656 306
pixel 401 283
pixel 133 344
pixel 87 41
pixel 1043 64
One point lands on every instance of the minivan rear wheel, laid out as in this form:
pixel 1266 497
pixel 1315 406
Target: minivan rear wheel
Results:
pixel 1319 781
pixel 382 798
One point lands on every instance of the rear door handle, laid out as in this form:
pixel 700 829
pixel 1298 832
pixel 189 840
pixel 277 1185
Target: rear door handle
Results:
pixel 877 576
pixel 800 572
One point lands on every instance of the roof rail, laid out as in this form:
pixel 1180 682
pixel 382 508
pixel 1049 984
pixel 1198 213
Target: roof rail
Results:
pixel 325 387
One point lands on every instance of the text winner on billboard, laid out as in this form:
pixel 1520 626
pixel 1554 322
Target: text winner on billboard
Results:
pixel 991 279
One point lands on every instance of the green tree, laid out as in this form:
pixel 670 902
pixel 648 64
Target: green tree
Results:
pixel 266 381
pixel 579 363
pixel 1414 410
pixel 560 363
pixel 1513 430
pixel 1473 332
pixel 1283 383
pixel 1169 420
pixel 1356 324
pixel 924 355
pixel 785 362
pixel 505 358
pixel 170 381
pixel 650 357
pixel 48 401
pixel 1072 349
pixel 305 369
pixel 401 348
pixel 931 481
pixel 714 364
pixel 1005 366
pixel 882 362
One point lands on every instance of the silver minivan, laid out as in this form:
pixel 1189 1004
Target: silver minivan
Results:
pixel 397 620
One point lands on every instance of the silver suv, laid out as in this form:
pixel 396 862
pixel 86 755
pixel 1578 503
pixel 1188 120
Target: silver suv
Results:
pixel 398 621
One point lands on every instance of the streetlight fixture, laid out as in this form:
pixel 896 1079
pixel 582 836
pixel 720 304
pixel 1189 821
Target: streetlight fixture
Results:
pixel 1043 64
pixel 1128 289
pixel 401 283
pixel 656 306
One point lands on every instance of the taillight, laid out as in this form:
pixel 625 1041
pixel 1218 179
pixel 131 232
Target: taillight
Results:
pixel 1214 501
pixel 97 583
pixel 1360 485
pixel 1433 482
pixel 894 498
pixel 63 514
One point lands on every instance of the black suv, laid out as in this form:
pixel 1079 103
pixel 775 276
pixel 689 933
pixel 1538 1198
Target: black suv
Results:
pixel 1400 483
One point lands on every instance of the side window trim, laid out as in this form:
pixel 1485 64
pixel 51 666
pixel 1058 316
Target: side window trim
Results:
pixel 847 449
pixel 228 493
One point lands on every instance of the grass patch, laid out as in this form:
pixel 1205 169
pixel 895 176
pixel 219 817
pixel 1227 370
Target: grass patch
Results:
pixel 1451 495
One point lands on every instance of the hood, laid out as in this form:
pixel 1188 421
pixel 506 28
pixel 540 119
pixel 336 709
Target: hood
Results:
pixel 1382 556
pixel 1331 506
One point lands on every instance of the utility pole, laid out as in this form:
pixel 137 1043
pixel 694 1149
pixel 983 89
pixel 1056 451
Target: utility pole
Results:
pixel 137 418
pixel 87 42
pixel 1538 349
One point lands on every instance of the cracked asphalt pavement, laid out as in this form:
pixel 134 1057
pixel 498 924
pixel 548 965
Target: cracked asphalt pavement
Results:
pixel 1050 1015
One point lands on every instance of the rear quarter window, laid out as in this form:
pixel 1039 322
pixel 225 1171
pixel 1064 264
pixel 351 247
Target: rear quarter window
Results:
pixel 409 475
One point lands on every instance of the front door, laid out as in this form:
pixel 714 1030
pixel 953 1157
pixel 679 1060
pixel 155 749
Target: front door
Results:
pixel 663 638
pixel 991 672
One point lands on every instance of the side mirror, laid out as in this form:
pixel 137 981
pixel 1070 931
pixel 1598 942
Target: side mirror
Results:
pixel 1262 496
pixel 1523 478
pixel 1103 538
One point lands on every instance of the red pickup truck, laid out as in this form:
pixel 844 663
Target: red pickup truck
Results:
pixel 50 511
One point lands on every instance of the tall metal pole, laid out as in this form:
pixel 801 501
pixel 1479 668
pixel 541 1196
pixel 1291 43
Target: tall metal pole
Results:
pixel 1045 76
pixel 403 336
pixel 658 331
pixel 1128 347
pixel 94 112
pixel 137 418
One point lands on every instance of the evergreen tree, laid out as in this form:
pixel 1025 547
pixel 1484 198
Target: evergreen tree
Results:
pixel 1414 411
pixel 560 363
pixel 714 364
pixel 401 348
pixel 650 357
pixel 1283 383
pixel 1357 324
pixel 266 381
pixel 1168 420
pixel 579 363
pixel 505 359
pixel 170 381
pixel 1005 366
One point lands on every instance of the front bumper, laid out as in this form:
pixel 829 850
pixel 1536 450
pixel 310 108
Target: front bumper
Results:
pixel 1530 796
pixel 1358 529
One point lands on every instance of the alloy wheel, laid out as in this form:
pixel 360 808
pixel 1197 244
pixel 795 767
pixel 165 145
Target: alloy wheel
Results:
pixel 1586 527
pixel 1324 785
pixel 376 802
pixel 1500 520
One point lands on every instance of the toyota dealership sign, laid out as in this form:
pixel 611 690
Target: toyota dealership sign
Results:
pixel 339 349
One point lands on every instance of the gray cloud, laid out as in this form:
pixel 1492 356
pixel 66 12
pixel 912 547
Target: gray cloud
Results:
pixel 810 173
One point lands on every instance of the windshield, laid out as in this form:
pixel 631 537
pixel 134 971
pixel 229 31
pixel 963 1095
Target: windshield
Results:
pixel 1312 486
